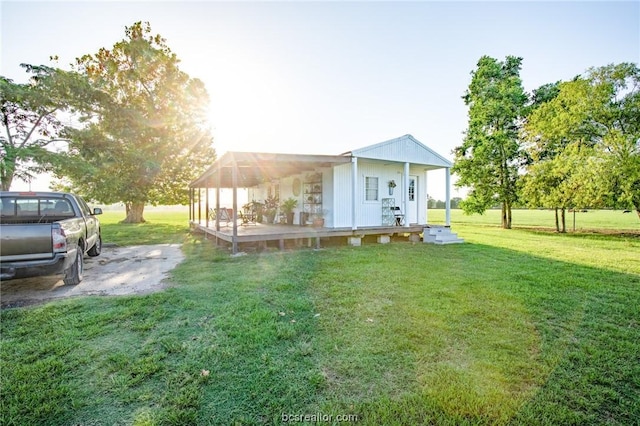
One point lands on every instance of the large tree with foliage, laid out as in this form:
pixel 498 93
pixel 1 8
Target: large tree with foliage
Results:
pixel 596 117
pixel 150 136
pixel 490 156
pixel 618 133
pixel 559 182
pixel 30 119
pixel 555 155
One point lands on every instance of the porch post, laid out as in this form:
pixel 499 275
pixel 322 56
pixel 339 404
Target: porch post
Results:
pixel 199 205
pixel 206 206
pixel 234 178
pixel 218 172
pixel 405 203
pixel 426 200
pixel 447 202
pixel 354 192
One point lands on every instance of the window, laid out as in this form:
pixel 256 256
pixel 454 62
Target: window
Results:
pixel 371 188
pixel 412 189
pixel 84 207
pixel 36 207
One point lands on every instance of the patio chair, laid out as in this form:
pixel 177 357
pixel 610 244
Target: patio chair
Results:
pixel 248 217
pixel 223 215
pixel 397 213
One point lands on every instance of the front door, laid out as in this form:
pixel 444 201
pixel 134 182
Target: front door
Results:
pixel 412 200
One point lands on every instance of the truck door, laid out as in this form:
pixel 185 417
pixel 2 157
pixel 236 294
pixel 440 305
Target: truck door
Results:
pixel 91 223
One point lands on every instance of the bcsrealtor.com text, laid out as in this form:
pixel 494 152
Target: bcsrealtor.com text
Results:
pixel 318 418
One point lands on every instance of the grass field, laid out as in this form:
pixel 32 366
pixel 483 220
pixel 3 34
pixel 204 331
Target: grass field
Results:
pixel 162 226
pixel 584 221
pixel 514 327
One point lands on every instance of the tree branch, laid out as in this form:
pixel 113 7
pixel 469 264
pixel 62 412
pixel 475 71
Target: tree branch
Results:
pixel 36 124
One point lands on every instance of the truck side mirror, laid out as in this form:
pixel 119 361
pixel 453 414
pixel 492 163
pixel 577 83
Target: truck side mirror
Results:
pixel 97 211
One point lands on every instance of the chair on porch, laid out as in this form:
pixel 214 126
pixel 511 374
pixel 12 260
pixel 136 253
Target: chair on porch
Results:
pixel 248 216
pixel 397 213
pixel 224 215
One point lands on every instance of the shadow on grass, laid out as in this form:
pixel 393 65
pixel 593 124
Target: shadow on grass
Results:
pixel 394 334
pixel 584 368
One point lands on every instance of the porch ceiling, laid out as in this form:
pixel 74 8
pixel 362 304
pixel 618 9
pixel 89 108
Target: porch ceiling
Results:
pixel 255 168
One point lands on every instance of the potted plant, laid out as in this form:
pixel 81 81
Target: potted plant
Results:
pixel 287 207
pixel 258 208
pixel 391 184
pixel 254 210
pixel 270 208
pixel 318 219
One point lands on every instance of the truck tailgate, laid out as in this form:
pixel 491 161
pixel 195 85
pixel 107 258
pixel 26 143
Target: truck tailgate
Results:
pixel 25 241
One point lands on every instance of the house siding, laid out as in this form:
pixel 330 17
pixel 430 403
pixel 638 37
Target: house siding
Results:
pixel 385 161
pixel 341 199
pixel 370 212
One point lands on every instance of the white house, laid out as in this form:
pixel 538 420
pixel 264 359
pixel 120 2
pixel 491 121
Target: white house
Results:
pixel 375 189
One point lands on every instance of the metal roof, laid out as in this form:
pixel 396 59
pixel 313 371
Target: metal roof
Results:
pixel 405 149
pixel 257 167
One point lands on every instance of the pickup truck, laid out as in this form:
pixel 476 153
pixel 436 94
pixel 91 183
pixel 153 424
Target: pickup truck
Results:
pixel 46 233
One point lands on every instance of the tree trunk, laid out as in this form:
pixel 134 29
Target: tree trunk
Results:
pixel 557 221
pixel 504 216
pixel 7 165
pixel 134 212
pixel 7 175
pixel 564 222
pixel 6 183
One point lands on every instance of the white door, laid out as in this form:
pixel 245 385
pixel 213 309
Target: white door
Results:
pixel 412 200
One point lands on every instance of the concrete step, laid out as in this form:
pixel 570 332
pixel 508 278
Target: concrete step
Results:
pixel 452 241
pixel 441 235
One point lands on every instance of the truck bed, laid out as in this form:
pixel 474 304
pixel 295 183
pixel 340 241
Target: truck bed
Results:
pixel 26 241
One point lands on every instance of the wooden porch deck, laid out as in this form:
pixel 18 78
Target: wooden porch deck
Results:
pixel 261 232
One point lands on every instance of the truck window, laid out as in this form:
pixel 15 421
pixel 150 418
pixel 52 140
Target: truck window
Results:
pixel 36 207
pixel 8 206
pixel 86 211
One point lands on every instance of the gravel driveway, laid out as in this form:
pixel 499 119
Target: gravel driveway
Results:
pixel 117 271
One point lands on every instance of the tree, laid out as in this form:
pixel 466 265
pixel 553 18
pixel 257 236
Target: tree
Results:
pixel 455 202
pixel 550 168
pixel 598 117
pixel 558 182
pixel 150 137
pixel 617 128
pixel 490 156
pixel 30 122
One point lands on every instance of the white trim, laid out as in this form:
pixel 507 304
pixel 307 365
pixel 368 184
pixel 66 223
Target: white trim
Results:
pixel 405 195
pixel 354 192
pixel 447 202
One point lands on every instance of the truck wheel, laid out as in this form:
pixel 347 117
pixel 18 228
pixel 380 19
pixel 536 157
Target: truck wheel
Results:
pixel 73 275
pixel 97 248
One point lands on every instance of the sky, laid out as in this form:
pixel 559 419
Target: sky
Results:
pixel 329 77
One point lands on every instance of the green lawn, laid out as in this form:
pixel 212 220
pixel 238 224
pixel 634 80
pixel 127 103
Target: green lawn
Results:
pixel 512 327
pixel 161 226
pixel 584 221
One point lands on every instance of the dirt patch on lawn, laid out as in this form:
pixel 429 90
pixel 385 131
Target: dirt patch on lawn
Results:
pixel 117 271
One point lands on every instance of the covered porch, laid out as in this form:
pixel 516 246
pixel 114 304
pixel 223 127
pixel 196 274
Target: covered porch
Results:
pixel 351 194
pixel 261 234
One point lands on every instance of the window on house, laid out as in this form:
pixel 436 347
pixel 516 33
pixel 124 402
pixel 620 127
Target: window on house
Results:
pixel 371 188
pixel 412 189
